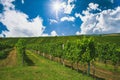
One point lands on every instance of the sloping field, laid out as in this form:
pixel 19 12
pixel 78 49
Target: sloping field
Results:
pixel 40 69
pixel 10 61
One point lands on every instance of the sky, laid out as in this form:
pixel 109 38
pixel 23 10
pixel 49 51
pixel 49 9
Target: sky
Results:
pixel 34 18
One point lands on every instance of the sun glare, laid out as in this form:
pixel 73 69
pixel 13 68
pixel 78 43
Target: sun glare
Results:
pixel 56 6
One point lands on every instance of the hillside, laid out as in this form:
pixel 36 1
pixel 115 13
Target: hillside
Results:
pixel 101 67
pixel 37 68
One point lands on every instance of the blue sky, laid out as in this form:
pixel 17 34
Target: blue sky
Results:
pixel 27 18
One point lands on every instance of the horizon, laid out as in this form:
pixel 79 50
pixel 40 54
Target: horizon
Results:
pixel 41 18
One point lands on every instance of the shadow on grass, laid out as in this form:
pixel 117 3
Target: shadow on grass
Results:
pixel 4 54
pixel 28 60
pixel 79 71
pixel 85 73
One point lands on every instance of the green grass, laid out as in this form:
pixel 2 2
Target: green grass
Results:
pixel 42 69
pixel 107 67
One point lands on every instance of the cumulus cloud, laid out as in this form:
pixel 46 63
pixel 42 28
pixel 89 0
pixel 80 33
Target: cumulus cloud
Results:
pixel 53 21
pixel 44 35
pixel 112 1
pixel 18 23
pixel 63 6
pixel 53 33
pixel 77 33
pixel 77 15
pixel 67 19
pixel 93 6
pixel 23 27
pixel 7 4
pixel 22 1
pixel 69 7
pixel 1 35
pixel 106 21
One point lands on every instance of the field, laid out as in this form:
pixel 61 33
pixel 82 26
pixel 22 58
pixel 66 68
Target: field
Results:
pixel 42 58
pixel 37 68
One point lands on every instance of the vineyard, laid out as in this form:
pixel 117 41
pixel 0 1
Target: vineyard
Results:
pixel 95 57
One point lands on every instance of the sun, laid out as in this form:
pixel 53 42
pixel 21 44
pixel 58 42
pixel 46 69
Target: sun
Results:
pixel 56 6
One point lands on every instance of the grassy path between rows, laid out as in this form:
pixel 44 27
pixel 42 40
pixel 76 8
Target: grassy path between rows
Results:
pixel 10 61
pixel 41 69
pixel 96 71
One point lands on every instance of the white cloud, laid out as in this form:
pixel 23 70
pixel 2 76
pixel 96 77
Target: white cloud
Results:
pixel 18 24
pixel 112 1
pixel 62 6
pixel 77 15
pixel 77 33
pixel 22 1
pixel 106 21
pixel 23 27
pixel 53 21
pixel 67 19
pixel 53 33
pixel 44 35
pixel 69 7
pixel 93 6
pixel 1 35
pixel 63 34
pixel 7 4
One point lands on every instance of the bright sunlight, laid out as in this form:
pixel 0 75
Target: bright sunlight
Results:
pixel 56 7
